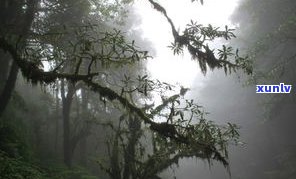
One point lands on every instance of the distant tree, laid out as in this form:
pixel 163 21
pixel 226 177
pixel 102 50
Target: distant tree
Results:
pixel 272 48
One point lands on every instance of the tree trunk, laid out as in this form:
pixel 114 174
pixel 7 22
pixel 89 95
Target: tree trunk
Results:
pixel 57 126
pixel 11 12
pixel 134 125
pixel 4 68
pixel 8 88
pixel 83 142
pixel 67 101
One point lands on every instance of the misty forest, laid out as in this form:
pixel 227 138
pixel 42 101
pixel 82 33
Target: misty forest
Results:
pixel 79 98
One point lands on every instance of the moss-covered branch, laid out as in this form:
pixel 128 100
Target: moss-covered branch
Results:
pixel 194 38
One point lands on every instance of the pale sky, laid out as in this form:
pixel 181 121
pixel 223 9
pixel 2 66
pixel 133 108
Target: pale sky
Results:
pixel 165 66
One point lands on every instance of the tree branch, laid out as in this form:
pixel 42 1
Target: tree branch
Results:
pixel 33 73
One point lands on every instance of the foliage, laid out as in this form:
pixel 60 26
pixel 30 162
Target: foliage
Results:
pixel 186 125
pixel 195 39
pixel 13 168
pixel 16 168
pixel 57 171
